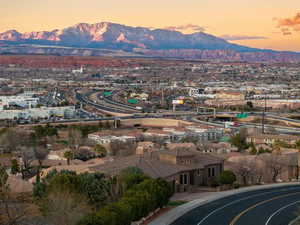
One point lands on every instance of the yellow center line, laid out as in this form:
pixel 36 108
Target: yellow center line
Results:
pixel 235 219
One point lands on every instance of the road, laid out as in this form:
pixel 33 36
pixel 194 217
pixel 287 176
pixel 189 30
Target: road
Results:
pixel 281 129
pixel 115 107
pixel 277 206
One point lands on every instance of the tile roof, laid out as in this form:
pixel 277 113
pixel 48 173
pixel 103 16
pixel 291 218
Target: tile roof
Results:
pixel 152 166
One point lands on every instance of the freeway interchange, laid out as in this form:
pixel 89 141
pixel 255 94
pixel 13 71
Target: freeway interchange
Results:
pixel 107 104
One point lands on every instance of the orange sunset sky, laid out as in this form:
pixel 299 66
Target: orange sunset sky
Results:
pixel 271 24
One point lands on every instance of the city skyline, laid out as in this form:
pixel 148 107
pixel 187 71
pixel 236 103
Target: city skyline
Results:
pixel 251 23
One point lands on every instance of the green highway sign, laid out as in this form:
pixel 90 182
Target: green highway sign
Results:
pixel 133 101
pixel 107 93
pixel 242 115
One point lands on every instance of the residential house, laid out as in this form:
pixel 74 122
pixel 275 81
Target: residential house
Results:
pixel 271 138
pixel 184 169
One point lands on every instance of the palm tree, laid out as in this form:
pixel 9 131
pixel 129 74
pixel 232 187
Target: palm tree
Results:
pixel 40 154
pixel 69 156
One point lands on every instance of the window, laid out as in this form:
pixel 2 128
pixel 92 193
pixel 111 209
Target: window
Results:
pixel 209 172
pixel 183 178
pixel 212 172
pixel 199 172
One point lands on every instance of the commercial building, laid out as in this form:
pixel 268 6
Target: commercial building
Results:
pixel 105 140
pixel 38 113
pixel 23 101
pixel 202 134
pixel 230 95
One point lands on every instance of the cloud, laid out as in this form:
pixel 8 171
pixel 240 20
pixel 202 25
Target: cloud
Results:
pixel 191 27
pixel 287 25
pixel 242 37
pixel 285 31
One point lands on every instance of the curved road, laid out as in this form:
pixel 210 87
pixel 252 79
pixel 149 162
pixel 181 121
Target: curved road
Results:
pixel 278 206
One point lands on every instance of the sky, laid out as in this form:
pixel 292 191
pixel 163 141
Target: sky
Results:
pixel 271 24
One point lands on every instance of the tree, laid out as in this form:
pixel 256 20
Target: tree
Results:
pixel 281 144
pixel 275 165
pixel 190 139
pixel 258 172
pixel 297 144
pixel 227 177
pixel 253 150
pixel 27 156
pixel 64 207
pixel 249 105
pixel 44 131
pixel 107 125
pixel 239 140
pixel 93 186
pixel 84 154
pixel 3 178
pixel 15 167
pixel 131 176
pixel 136 203
pixel 12 210
pixel 121 148
pixel 74 138
pixel 40 154
pixel 69 155
pixel 100 150
pixel 12 139
pixel 244 169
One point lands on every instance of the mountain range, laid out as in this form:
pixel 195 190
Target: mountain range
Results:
pixel 92 39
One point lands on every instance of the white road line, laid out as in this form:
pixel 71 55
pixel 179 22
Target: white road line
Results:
pixel 279 210
pixel 242 199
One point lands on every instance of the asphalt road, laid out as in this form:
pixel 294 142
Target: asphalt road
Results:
pixel 277 206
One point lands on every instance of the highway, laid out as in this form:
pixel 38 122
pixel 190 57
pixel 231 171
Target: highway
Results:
pixel 281 129
pixel 277 206
pixel 109 105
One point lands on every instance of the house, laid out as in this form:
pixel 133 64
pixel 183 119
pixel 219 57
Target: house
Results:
pixel 180 146
pixel 141 96
pixel 184 169
pixel 230 95
pixel 218 148
pixel 271 138
pixel 144 147
pixel 262 167
pixel 153 134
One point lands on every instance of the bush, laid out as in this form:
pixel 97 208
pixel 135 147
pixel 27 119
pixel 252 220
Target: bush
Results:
pixel 91 219
pixel 100 150
pixel 84 154
pixel 39 190
pixel 136 203
pixel 176 203
pixel 212 182
pixel 227 177
pixel 91 185
pixel 236 186
pixel 131 176
pixel 15 168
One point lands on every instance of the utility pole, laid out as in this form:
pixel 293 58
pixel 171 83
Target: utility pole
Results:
pixel 162 98
pixel 263 115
